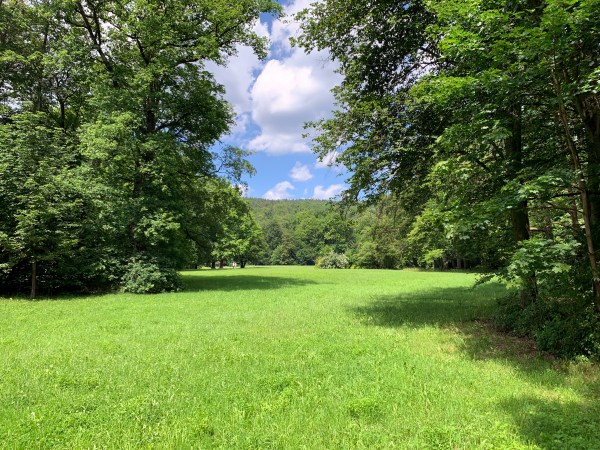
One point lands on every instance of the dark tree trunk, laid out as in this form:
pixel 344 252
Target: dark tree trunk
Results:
pixel 33 278
pixel 589 113
pixel 213 264
pixel 221 264
pixel 590 203
pixel 548 228
pixel 574 213
pixel 242 263
pixel 519 216
pixel 62 120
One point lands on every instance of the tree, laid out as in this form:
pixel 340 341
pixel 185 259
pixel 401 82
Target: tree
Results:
pixel 238 237
pixel 126 82
pixel 166 110
pixel 493 109
pixel 40 198
pixel 383 48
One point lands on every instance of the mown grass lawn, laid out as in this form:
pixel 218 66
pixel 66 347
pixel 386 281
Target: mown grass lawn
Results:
pixel 286 358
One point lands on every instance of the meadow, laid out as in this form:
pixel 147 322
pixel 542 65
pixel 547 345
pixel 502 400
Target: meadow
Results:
pixel 287 358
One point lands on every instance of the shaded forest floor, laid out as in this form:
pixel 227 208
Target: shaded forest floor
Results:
pixel 287 357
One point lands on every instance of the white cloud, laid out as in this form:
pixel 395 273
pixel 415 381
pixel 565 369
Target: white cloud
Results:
pixel 292 89
pixel 300 172
pixel 237 77
pixel 328 161
pixel 287 94
pixel 322 193
pixel 244 190
pixel 262 29
pixel 280 191
pixel 278 97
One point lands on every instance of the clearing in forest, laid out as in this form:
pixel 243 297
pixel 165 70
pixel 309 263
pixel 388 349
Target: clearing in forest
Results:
pixel 286 357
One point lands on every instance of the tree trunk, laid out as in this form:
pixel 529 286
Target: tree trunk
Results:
pixel 574 213
pixel 589 114
pixel 548 228
pixel 242 263
pixel 33 279
pixel 590 205
pixel 519 215
pixel 213 264
pixel 221 264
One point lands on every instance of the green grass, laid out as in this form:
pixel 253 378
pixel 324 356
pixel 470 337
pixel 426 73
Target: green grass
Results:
pixel 286 358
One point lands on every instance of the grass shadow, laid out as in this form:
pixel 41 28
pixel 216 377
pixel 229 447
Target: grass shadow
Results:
pixel 468 312
pixel 59 297
pixel 549 423
pixel 194 282
pixel 546 421
pixel 441 307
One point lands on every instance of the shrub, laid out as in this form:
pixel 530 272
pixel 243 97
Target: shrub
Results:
pixel 565 327
pixel 333 261
pixel 283 255
pixel 144 276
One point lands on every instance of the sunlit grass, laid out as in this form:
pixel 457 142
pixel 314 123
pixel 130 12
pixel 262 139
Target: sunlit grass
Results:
pixel 286 358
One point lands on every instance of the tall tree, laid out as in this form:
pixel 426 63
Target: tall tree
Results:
pixel 126 82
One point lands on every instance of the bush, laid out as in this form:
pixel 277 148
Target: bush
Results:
pixel 283 255
pixel 333 261
pixel 565 327
pixel 149 277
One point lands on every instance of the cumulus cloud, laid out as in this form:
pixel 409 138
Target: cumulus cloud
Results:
pixel 300 172
pixel 243 189
pixel 293 88
pixel 237 77
pixel 280 191
pixel 281 95
pixel 287 94
pixel 322 193
pixel 328 161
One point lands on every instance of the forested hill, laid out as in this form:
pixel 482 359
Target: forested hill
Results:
pixel 284 210
pixel 383 236
pixel 298 231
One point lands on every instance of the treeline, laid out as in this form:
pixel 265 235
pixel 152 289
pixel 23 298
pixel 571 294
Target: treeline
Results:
pixel 385 235
pixel 483 119
pixel 299 231
pixel 107 118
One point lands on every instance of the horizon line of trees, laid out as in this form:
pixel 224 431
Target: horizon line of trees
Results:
pixel 384 235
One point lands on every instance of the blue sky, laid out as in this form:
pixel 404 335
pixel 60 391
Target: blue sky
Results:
pixel 273 99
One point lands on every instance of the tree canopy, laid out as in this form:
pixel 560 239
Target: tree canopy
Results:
pixel 107 118
pixel 483 117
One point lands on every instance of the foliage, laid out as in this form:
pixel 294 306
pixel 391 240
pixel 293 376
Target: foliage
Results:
pixel 298 231
pixel 238 237
pixel 548 259
pixel 333 261
pixel 107 117
pixel 483 117
pixel 145 276
pixel 563 326
pixel 40 194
